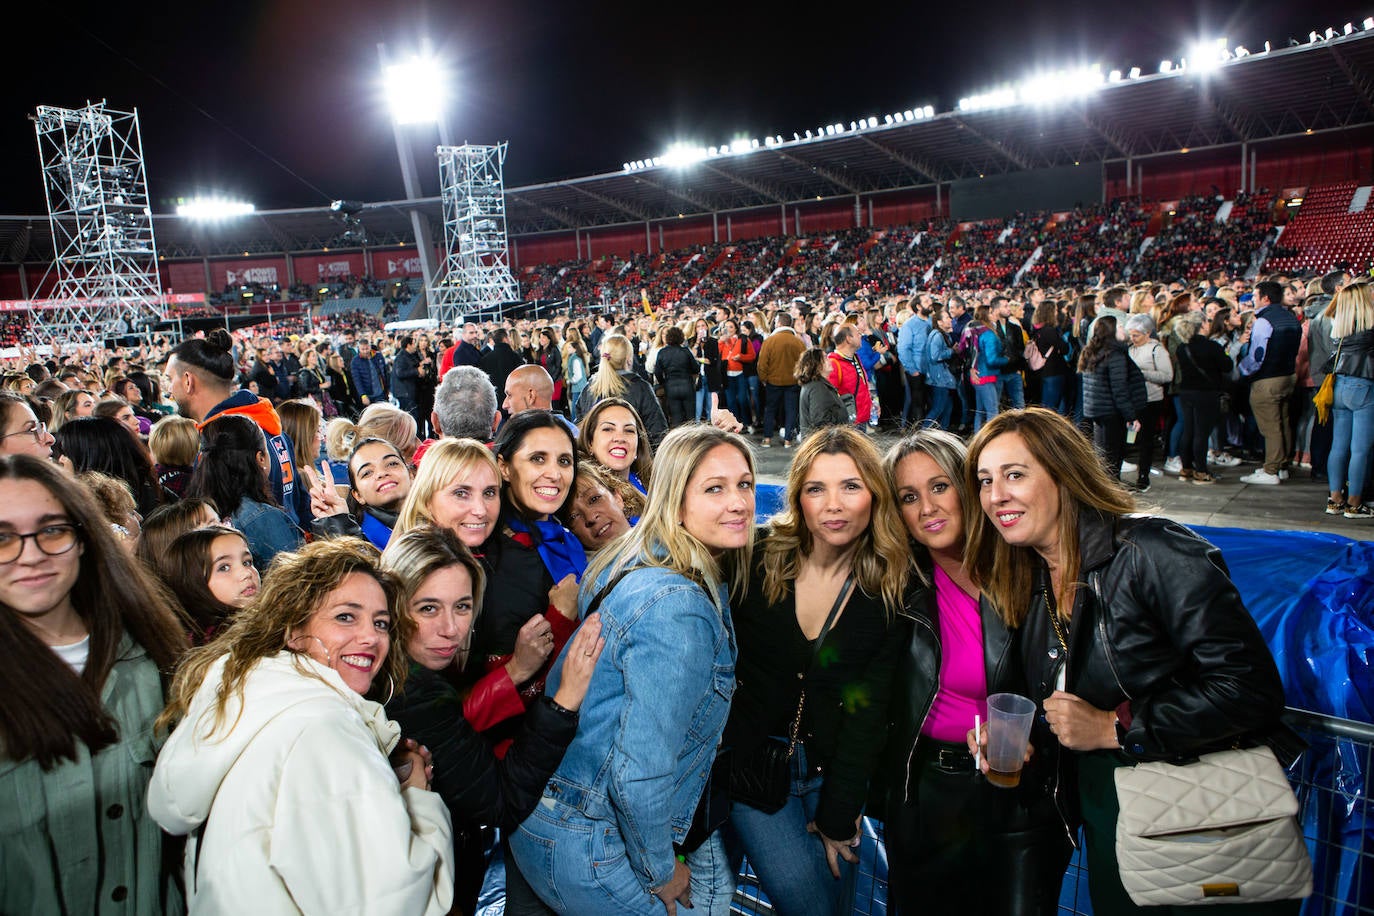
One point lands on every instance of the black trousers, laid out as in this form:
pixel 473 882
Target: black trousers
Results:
pixel 963 845
pixel 1109 435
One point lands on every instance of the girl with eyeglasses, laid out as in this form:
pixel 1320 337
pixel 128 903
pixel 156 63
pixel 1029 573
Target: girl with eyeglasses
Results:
pixel 85 634
pixel 22 433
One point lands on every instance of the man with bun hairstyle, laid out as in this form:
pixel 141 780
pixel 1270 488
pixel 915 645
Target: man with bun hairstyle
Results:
pixel 202 384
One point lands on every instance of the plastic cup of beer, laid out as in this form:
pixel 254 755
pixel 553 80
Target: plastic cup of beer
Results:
pixel 1009 725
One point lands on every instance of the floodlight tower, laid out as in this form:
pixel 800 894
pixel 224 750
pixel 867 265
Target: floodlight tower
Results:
pixel 102 226
pixel 476 275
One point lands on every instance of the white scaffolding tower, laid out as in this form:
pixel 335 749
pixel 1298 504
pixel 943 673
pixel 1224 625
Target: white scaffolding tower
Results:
pixel 476 278
pixel 107 281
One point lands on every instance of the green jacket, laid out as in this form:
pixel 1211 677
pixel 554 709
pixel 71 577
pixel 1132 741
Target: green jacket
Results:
pixel 78 839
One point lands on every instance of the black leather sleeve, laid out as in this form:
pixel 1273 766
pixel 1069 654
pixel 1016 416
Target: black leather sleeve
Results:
pixel 1223 685
pixel 473 783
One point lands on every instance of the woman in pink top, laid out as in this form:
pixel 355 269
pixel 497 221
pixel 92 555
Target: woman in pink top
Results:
pixel 954 841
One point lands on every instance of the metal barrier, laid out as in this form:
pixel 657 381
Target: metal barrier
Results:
pixel 1332 780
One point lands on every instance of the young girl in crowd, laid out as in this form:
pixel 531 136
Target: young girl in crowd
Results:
pixel 87 634
pixel 173 443
pixel 379 482
pixel 210 571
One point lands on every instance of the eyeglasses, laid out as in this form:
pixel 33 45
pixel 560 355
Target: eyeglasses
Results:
pixel 36 430
pixel 53 540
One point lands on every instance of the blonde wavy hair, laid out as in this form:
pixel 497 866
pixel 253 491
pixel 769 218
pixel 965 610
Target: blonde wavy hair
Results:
pixel 659 539
pixel 295 586
pixel 882 559
pixel 444 462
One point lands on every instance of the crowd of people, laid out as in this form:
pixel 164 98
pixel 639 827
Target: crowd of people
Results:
pixel 318 622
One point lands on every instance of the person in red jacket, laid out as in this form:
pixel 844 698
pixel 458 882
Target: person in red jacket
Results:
pixel 848 376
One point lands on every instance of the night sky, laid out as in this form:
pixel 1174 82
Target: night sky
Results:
pixel 279 103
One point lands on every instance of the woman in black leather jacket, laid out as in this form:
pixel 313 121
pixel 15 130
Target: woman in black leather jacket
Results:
pixel 442 583
pixel 949 830
pixel 1135 643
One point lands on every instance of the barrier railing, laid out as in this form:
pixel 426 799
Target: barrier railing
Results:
pixel 1332 780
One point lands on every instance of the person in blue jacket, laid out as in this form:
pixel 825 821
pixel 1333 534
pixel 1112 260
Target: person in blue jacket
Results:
pixel 369 374
pixel 939 377
pixel 612 831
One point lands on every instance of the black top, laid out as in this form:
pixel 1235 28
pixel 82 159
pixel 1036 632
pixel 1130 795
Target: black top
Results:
pixel 1052 346
pixel 844 722
pixel 1202 365
pixel 475 786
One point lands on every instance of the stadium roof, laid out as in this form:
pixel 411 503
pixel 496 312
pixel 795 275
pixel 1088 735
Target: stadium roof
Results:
pixel 1321 87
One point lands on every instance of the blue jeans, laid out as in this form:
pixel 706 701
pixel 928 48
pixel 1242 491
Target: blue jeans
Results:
pixel 755 405
pixel 1176 431
pixel 1014 388
pixel 985 401
pixel 573 395
pixel 941 406
pixel 737 398
pixel 578 865
pixel 1052 392
pixel 789 861
pixel 1352 431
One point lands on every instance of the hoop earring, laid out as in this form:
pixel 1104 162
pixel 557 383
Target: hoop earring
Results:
pixel 390 688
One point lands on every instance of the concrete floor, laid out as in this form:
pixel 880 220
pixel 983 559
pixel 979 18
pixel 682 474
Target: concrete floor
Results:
pixel 1297 504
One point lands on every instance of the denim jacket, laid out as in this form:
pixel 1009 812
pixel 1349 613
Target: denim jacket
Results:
pixel 654 713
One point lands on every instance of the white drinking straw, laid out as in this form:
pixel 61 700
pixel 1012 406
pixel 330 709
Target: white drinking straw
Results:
pixel 977 744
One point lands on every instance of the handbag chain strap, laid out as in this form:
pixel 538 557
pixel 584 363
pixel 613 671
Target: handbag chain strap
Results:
pixel 1055 622
pixel 795 731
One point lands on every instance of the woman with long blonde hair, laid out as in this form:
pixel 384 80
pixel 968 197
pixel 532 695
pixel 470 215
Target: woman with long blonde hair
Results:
pixel 1352 424
pixel 818 629
pixel 609 834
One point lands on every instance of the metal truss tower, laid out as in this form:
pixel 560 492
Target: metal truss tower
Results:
pixel 476 277
pixel 102 227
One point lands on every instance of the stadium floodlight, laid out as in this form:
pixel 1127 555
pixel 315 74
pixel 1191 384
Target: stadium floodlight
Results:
pixel 929 111
pixel 1134 73
pixel 415 90
pixel 1369 23
pixel 1166 66
pixel 681 155
pixel 1047 88
pixel 1207 56
pixel 1114 76
pixel 1313 38
pixel 1330 33
pixel 213 209
pixel 1349 28
pixel 1241 51
pixel 1266 47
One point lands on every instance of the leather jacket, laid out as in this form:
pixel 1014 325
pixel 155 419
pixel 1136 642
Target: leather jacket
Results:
pixel 917 682
pixel 1160 634
pixel 1356 354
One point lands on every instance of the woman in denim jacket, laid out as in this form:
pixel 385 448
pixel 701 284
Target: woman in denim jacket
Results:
pixel 607 837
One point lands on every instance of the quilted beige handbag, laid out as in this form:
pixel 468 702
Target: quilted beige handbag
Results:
pixel 1220 830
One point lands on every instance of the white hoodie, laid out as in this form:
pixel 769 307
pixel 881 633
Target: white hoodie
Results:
pixel 301 810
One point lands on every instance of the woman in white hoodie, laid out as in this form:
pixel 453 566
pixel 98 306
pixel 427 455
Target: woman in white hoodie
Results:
pixel 278 766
